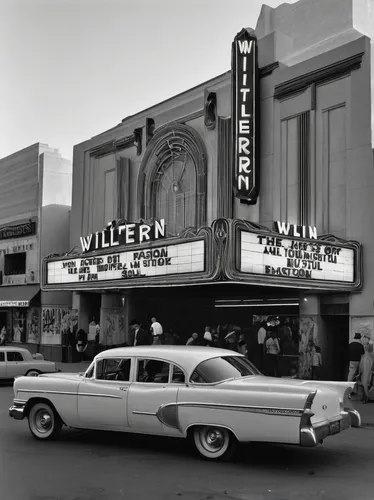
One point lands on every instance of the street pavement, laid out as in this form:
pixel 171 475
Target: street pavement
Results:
pixel 86 465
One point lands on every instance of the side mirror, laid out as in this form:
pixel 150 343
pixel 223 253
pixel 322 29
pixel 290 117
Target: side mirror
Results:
pixel 81 374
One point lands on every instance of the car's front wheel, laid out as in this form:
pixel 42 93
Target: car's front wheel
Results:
pixel 44 423
pixel 32 373
pixel 215 443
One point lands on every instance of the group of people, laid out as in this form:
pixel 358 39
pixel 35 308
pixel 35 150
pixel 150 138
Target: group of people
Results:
pixel 361 364
pixel 262 343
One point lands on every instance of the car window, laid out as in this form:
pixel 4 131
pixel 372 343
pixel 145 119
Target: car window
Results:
pixel 14 356
pixel 177 376
pixel 113 369
pixel 222 368
pixel 2 356
pixel 153 371
pixel 90 372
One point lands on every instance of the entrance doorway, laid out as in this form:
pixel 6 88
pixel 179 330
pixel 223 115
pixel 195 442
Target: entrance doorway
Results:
pixel 336 356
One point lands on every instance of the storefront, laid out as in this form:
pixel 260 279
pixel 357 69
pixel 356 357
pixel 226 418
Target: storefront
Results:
pixel 232 272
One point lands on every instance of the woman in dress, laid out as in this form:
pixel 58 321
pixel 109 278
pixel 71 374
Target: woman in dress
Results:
pixel 366 365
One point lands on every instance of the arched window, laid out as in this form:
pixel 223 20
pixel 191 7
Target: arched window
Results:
pixel 172 181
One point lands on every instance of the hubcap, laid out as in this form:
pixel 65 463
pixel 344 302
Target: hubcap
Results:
pixel 43 421
pixel 213 439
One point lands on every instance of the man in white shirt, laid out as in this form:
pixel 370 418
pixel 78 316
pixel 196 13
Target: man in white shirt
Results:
pixel 157 331
pixel 272 350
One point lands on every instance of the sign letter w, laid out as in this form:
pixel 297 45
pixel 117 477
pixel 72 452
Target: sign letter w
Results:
pixel 245 46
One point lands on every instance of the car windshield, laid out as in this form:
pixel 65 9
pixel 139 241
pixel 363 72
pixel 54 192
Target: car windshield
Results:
pixel 222 368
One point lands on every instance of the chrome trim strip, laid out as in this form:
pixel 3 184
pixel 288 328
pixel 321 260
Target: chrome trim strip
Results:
pixel 144 413
pixel 66 393
pixel 42 391
pixel 111 396
pixel 265 410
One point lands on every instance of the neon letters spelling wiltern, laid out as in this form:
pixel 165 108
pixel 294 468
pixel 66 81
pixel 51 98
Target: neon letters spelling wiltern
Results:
pixel 244 98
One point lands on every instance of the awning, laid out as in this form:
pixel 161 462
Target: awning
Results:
pixel 17 295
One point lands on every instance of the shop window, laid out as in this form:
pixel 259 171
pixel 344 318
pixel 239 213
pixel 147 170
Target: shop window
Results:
pixel 113 369
pixel 19 325
pixel 14 356
pixel 153 371
pixel 172 180
pixel 15 263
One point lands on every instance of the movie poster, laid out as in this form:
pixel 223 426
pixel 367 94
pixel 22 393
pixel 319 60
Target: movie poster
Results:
pixel 33 325
pixel 49 321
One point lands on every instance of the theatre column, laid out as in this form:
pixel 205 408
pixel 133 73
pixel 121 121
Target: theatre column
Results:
pixel 114 319
pixel 312 332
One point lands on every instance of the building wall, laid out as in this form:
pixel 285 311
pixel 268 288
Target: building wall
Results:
pixel 36 184
pixel 315 145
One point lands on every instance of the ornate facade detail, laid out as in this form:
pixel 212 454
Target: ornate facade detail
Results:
pixel 319 76
pixel 210 110
pixel 174 163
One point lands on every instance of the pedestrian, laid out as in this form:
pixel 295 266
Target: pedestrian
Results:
pixel 81 341
pixel 216 342
pixel 316 363
pixel 156 331
pixel 231 342
pixel 261 338
pixel 3 336
pixel 207 338
pixel 272 350
pixel 366 366
pixel 356 350
pixel 193 340
pixel 242 346
pixel 138 336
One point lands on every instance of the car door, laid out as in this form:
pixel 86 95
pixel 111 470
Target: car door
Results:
pixel 2 365
pixel 154 385
pixel 15 364
pixel 102 397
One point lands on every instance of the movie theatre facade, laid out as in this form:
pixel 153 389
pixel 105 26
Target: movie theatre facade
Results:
pixel 246 197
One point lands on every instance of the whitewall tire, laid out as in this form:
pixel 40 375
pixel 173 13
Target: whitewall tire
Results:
pixel 214 443
pixel 44 423
pixel 32 373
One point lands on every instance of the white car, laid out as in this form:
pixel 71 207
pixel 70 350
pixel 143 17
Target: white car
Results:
pixel 16 361
pixel 214 396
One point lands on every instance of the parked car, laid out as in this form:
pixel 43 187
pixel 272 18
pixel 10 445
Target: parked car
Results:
pixel 16 361
pixel 214 396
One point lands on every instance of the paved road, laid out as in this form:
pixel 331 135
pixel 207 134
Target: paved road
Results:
pixel 109 466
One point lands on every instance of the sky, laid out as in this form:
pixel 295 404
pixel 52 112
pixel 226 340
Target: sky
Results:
pixel 71 69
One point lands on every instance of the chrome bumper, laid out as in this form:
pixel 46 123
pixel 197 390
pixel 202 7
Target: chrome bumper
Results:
pixel 17 410
pixel 311 435
pixel 354 417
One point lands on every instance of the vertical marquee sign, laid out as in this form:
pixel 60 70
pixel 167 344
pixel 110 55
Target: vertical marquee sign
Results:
pixel 244 98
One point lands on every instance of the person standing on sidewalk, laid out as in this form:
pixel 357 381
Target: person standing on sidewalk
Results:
pixel 156 332
pixel 356 350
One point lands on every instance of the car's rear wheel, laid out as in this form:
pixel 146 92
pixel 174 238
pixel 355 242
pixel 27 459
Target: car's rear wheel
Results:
pixel 214 443
pixel 32 373
pixel 44 422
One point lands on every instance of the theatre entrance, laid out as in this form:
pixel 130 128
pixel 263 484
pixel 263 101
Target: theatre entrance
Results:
pixel 184 310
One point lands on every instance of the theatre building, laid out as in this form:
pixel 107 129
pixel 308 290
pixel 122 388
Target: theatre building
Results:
pixel 34 223
pixel 246 197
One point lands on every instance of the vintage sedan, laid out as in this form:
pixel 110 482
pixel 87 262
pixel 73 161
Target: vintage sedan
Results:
pixel 215 397
pixel 16 361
